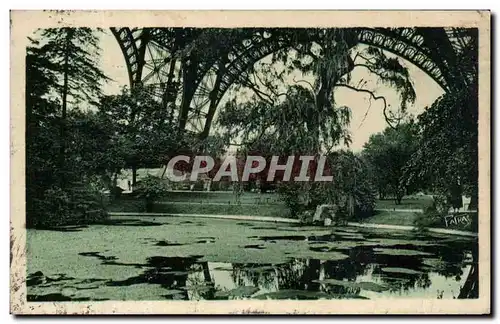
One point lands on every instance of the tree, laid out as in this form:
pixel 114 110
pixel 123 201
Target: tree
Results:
pixel 60 66
pixel 284 127
pixel 41 123
pixel 71 54
pixel 447 156
pixel 329 56
pixel 92 149
pixel 388 153
pixel 283 131
pixel 305 119
pixel 150 189
pixel 142 133
pixel 351 189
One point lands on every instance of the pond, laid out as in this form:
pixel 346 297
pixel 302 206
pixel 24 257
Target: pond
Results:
pixel 178 258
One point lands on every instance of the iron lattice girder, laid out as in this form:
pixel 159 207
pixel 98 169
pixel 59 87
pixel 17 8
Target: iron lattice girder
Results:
pixel 406 43
pixel 128 45
pixel 231 52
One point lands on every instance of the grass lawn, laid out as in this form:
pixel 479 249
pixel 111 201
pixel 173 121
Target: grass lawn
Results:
pixel 410 202
pixel 408 219
pixel 268 210
pixel 391 218
pixel 271 210
pixel 225 197
pixel 256 204
pixel 267 204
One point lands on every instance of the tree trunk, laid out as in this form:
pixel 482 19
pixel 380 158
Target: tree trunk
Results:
pixel 398 199
pixel 206 272
pixel 311 275
pixel 134 176
pixel 351 207
pixel 115 180
pixel 149 205
pixel 473 202
pixel 115 193
pixel 210 294
pixel 470 289
pixel 64 99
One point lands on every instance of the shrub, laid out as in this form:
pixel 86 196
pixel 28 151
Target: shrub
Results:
pixel 88 203
pixel 116 192
pixel 295 199
pixel 302 197
pixel 150 189
pixel 51 209
pixel 430 217
pixel 77 204
pixel 306 217
pixel 440 204
pixel 197 186
pixel 351 189
pixel 341 216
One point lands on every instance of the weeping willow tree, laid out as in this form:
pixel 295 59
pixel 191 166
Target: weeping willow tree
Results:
pixel 301 116
pixel 326 60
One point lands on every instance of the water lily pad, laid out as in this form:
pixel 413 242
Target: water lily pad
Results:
pixel 176 273
pixel 333 246
pixel 228 268
pixel 392 242
pixel 260 269
pixel 348 230
pixel 348 296
pixel 242 291
pixel 168 243
pixel 400 270
pixel 172 292
pixel 294 294
pixel 434 263
pixel 371 286
pixel 200 288
pixel 350 235
pixel 399 252
pixel 254 246
pixel 325 256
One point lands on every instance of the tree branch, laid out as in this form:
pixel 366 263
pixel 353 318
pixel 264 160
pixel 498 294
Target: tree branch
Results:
pixel 250 143
pixel 369 68
pixel 306 52
pixel 372 95
pixel 266 84
pixel 247 83
pixel 369 60
pixel 307 82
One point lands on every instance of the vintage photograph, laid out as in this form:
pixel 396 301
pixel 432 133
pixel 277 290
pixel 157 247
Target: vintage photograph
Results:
pixel 175 163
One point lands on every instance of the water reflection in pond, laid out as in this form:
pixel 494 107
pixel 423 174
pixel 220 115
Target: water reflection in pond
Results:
pixel 379 267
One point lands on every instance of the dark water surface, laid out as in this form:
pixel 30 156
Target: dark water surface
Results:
pixel 424 267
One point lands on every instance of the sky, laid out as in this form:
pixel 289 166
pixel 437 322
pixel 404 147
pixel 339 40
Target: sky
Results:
pixel 426 89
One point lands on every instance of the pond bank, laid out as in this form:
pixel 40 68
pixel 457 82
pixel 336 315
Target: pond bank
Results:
pixel 294 221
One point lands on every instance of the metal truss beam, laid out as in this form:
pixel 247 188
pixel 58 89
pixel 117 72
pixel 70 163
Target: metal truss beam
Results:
pixel 153 56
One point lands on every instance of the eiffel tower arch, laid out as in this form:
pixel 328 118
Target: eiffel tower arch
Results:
pixel 190 70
